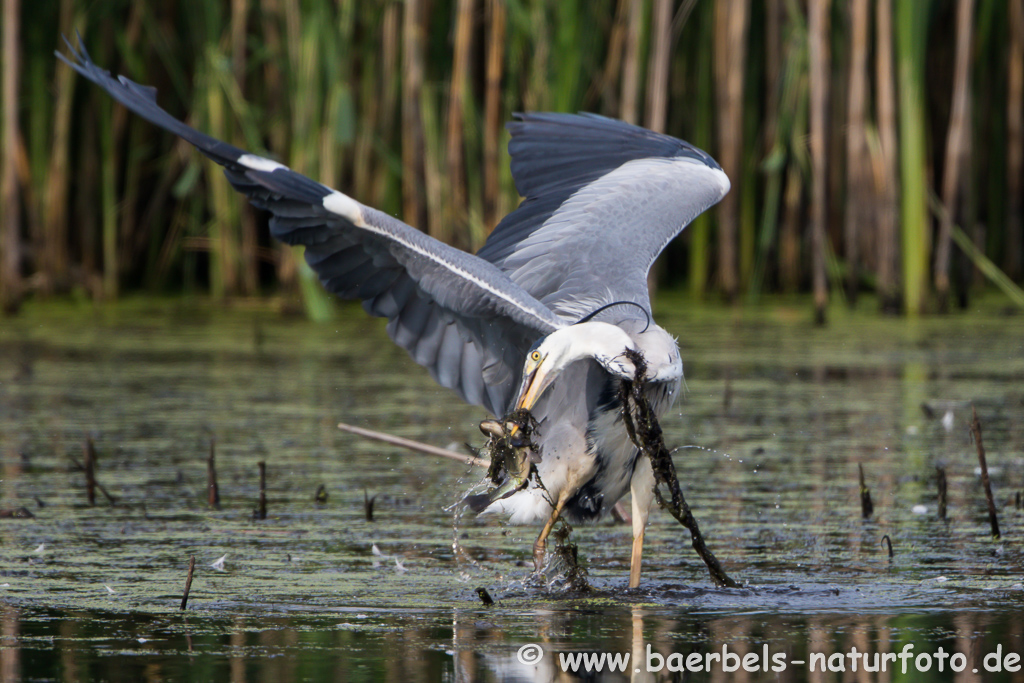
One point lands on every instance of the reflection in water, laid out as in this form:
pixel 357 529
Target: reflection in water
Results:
pixel 771 474
pixel 10 667
pixel 620 640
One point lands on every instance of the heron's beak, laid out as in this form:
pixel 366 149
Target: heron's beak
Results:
pixel 535 382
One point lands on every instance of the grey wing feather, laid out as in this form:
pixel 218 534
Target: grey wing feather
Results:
pixel 602 198
pixel 457 314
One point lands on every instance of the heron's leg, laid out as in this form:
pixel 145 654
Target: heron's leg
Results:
pixel 542 541
pixel 641 488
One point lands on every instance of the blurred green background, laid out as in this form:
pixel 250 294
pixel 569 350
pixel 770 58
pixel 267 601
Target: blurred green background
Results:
pixel 875 146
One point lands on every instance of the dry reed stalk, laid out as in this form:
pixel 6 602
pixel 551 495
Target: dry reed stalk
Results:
pixel 986 483
pixel 188 581
pixel 1014 261
pixel 658 65
pixel 10 220
pixel 89 467
pixel 414 209
pixel 819 59
pixel 433 167
pixel 248 260
pixel 415 446
pixel 212 490
pixel 789 232
pixel 56 257
pixel 630 103
pixel 772 67
pixel 261 508
pixel 857 220
pixel 867 507
pixel 455 152
pixel 493 112
pixel 389 88
pixel 886 177
pixel 730 50
pixel 606 86
pixel 940 476
pixel 957 148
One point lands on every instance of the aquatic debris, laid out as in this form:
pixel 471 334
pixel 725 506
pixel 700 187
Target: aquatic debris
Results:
pixel 261 509
pixel 886 541
pixel 212 490
pixel 985 482
pixel 513 457
pixel 219 564
pixel 485 597
pixel 645 432
pixel 89 467
pixel 940 476
pixel 40 548
pixel 110 590
pixel 368 506
pixel 563 567
pixel 867 508
pixel 16 513
pixel 90 470
pixel 188 581
pixel 919 510
pixel 399 567
pixel 415 446
pixel 320 497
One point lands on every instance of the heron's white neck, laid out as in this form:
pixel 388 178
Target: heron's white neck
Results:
pixel 603 342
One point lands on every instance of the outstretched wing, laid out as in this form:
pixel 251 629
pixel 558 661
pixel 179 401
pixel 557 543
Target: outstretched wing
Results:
pixel 456 314
pixel 602 198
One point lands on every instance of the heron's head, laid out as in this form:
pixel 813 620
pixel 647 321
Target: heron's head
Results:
pixel 603 342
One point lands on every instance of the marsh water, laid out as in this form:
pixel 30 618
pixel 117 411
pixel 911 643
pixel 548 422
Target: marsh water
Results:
pixel 776 418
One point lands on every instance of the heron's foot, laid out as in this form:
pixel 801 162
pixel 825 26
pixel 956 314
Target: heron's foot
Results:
pixel 539 550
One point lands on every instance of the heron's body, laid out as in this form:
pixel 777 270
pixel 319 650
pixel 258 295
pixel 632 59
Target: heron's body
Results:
pixel 581 437
pixel 602 198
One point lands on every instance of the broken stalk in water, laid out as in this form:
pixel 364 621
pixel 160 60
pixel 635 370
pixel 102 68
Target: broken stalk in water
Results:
pixel 89 455
pixel 645 433
pixel 415 446
pixel 212 491
pixel 261 511
pixel 940 475
pixel 867 508
pixel 985 482
pixel 188 582
pixel 368 505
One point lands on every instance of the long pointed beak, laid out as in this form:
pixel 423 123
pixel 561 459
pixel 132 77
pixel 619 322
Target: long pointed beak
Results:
pixel 534 384
pixel 529 390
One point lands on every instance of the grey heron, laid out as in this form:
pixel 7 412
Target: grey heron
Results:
pixel 541 316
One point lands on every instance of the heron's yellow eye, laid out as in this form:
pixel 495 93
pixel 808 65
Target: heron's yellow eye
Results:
pixel 535 356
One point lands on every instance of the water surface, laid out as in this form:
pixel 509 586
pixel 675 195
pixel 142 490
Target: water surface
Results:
pixel 777 416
